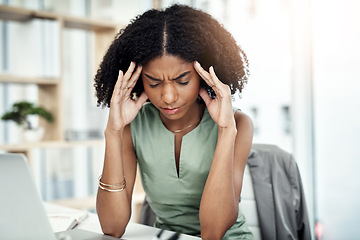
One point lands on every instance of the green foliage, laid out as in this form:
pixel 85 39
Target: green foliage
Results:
pixel 21 110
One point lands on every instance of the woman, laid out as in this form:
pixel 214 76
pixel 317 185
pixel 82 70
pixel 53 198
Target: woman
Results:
pixel 189 142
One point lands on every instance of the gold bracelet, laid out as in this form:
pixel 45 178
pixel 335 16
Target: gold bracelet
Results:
pixel 122 184
pixel 112 190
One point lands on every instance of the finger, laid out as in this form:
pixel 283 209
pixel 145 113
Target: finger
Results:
pixel 221 88
pixel 117 88
pixel 141 100
pixel 213 76
pixel 217 84
pixel 203 74
pixel 128 74
pixel 205 96
pixel 130 70
pixel 132 81
pixel 135 77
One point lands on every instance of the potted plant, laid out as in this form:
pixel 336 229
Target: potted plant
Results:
pixel 19 114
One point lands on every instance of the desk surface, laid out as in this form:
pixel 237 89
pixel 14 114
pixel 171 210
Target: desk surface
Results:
pixel 60 218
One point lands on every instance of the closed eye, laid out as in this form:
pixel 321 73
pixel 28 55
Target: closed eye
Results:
pixel 154 85
pixel 179 78
pixel 183 83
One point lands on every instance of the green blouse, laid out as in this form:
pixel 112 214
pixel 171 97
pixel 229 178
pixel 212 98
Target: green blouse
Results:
pixel 176 199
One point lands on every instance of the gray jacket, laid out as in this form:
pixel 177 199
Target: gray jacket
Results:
pixel 279 194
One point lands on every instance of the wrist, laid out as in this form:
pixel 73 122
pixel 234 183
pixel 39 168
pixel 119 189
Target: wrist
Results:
pixel 229 131
pixel 110 132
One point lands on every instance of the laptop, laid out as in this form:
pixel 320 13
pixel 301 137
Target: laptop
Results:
pixel 22 214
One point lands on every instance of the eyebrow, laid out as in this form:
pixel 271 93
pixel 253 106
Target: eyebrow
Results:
pixel 182 75
pixel 177 78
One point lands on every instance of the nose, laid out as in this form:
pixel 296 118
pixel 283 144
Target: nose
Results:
pixel 169 93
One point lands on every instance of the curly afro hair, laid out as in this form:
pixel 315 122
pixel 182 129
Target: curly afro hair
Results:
pixel 180 31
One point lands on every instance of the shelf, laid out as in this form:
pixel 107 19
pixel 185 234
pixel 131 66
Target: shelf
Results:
pixel 23 147
pixel 15 14
pixel 88 24
pixel 30 80
pixel 51 96
pixel 21 14
pixel 50 90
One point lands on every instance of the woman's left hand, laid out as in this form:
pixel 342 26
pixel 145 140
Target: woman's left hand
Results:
pixel 220 108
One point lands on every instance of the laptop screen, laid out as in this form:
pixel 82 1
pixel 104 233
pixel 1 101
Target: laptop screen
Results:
pixel 22 215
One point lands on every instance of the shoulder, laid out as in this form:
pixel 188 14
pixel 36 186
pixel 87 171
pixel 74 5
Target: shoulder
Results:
pixel 245 132
pixel 241 119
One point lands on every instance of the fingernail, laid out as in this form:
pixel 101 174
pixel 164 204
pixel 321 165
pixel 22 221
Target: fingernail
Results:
pixel 197 63
pixel 211 68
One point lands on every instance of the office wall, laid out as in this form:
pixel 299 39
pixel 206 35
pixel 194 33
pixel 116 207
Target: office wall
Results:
pixel 336 76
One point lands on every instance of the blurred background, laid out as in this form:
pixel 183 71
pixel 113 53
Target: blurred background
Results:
pixel 302 92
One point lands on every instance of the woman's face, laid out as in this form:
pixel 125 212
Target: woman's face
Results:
pixel 172 86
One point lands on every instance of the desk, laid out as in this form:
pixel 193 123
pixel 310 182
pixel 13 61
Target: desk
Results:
pixel 134 231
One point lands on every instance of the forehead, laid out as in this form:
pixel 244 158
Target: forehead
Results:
pixel 167 64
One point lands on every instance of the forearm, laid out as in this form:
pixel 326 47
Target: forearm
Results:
pixel 219 203
pixel 113 208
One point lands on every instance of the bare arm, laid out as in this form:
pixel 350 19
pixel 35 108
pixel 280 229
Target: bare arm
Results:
pixel 220 199
pixel 114 208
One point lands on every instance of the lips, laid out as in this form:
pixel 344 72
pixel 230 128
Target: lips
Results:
pixel 170 110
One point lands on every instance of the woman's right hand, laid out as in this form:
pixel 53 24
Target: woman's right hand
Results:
pixel 123 109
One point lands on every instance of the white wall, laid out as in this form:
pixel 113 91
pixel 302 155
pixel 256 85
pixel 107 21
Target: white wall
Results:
pixel 336 59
